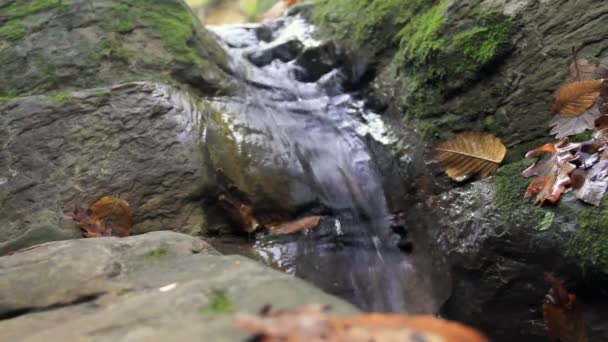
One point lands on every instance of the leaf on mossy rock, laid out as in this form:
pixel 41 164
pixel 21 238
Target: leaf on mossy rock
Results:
pixel 561 314
pixel 563 127
pixel 295 226
pixel 311 324
pixel 552 171
pixel 110 216
pixel 471 153
pixel 576 98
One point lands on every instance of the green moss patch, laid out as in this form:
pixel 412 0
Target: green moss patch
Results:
pixel 509 190
pixel 369 23
pixel 591 239
pixel 219 303
pixel 18 11
pixel 112 50
pixel 13 30
pixel 60 98
pixel 171 19
pixel 156 255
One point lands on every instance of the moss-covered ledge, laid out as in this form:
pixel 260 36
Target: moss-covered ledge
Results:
pixel 55 45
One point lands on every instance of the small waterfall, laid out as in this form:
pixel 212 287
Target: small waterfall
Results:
pixel 316 134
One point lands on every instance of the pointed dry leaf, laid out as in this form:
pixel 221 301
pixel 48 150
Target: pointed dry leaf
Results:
pixel 552 171
pixel 585 70
pixel 576 98
pixel 295 226
pixel 110 216
pixel 470 153
pixel 561 314
pixel 311 324
pixel 563 127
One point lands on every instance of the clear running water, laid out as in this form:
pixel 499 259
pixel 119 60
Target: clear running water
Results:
pixel 316 135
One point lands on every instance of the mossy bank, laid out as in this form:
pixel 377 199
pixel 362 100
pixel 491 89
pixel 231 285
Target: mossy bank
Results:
pixel 44 43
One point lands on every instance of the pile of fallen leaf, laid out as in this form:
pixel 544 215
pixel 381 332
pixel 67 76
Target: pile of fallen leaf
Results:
pixel 312 324
pixel 110 216
pixel 581 104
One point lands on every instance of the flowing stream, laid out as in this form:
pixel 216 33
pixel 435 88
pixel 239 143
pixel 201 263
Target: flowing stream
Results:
pixel 319 136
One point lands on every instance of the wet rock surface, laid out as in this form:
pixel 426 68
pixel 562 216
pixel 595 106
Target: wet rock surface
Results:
pixel 137 141
pixel 154 287
pixel 498 260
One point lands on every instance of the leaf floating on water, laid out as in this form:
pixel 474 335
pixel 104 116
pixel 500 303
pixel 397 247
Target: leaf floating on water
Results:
pixel 110 216
pixel 561 314
pixel 295 226
pixel 470 153
pixel 576 98
pixel 311 324
pixel 552 171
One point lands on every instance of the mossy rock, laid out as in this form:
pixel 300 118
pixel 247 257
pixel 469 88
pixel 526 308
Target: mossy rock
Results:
pixel 56 45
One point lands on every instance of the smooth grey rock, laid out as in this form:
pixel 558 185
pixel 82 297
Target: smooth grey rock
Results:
pixel 58 273
pixel 137 141
pixel 166 298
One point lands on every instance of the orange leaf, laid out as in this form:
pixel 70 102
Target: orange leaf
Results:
pixel 110 216
pixel 552 171
pixel 298 225
pixel 576 98
pixel 561 314
pixel 311 324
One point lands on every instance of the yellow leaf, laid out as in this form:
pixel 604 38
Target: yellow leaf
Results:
pixel 576 98
pixel 470 153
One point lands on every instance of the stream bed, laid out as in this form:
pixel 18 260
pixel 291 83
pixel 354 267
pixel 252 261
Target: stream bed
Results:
pixel 313 148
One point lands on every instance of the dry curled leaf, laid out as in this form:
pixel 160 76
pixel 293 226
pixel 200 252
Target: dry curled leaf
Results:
pixel 470 153
pixel 561 314
pixel 576 98
pixel 239 214
pixel 295 226
pixel 563 127
pixel 311 324
pixel 110 216
pixel 552 171
pixel 585 70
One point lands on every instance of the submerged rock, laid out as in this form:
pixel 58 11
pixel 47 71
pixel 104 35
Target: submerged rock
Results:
pixel 154 287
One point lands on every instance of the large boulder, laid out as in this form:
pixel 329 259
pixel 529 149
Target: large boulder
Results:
pixel 73 44
pixel 154 287
pixel 137 141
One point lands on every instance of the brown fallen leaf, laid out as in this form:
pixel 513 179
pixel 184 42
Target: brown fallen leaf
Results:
pixel 239 214
pixel 552 171
pixel 110 216
pixel 561 314
pixel 295 226
pixel 311 324
pixel 574 99
pixel 470 153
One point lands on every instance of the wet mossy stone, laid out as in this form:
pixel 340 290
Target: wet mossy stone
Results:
pixel 57 45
